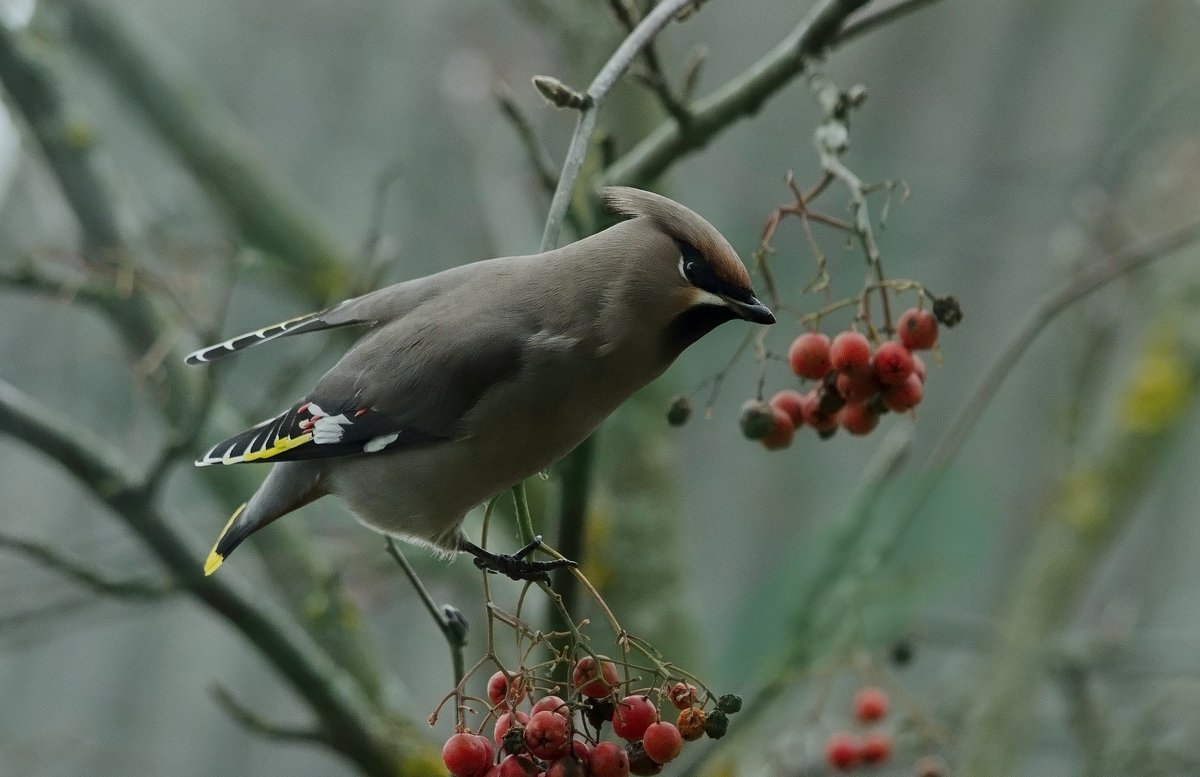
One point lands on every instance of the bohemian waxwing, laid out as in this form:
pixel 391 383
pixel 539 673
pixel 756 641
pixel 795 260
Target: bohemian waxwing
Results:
pixel 470 380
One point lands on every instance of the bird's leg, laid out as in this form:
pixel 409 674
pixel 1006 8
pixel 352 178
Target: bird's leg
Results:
pixel 517 566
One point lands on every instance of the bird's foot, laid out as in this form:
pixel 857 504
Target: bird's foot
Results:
pixel 517 566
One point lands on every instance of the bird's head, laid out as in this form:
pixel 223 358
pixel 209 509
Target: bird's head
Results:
pixel 704 281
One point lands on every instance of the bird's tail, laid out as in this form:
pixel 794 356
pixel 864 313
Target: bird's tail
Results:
pixel 289 486
pixel 231 536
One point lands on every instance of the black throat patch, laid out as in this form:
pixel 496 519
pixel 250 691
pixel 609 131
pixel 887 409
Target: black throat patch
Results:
pixel 692 324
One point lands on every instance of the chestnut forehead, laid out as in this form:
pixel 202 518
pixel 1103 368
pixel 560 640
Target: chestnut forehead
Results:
pixel 724 262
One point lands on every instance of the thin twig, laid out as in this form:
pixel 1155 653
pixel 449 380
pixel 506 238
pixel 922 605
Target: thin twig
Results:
pixel 92 579
pixel 263 727
pixel 951 441
pixel 454 633
pixel 586 123
pixel 739 97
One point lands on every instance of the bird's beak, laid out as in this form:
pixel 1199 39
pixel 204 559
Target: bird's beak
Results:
pixel 751 310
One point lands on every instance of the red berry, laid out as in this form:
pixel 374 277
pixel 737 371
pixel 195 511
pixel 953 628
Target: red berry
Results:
pixel 781 434
pixel 857 386
pixel 893 363
pixel 870 704
pixel 567 766
pixel 858 419
pixel 904 396
pixel 608 759
pixel 631 717
pixel 876 747
pixel 791 402
pixel 553 704
pixel 467 755
pixel 918 329
pixel 662 742
pixel 683 695
pixel 504 723
pixel 517 766
pixel 498 689
pixel 919 366
pixel 841 750
pixel 592 682
pixel 850 350
pixel 809 355
pixel 548 735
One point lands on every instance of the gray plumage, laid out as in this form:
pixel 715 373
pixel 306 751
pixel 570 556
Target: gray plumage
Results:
pixel 470 380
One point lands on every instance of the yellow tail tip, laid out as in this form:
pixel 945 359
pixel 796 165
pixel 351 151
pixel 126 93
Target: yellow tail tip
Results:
pixel 215 559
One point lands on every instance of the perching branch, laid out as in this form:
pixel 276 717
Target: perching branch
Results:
pixel 743 95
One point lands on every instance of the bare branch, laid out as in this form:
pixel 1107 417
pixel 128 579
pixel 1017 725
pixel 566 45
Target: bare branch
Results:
pixel 604 80
pixel 89 578
pixel 209 143
pixel 453 628
pixel 740 97
pixel 263 727
pixel 355 726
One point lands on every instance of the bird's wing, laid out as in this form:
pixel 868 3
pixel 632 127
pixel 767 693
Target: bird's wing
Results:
pixel 312 430
pixel 408 383
pixel 377 307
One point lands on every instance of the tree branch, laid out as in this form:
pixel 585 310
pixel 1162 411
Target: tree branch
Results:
pixel 210 144
pixel 182 391
pixel 354 726
pixel 263 727
pixel 596 91
pixel 743 95
pixel 89 578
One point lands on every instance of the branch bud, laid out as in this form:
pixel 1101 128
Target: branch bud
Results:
pixel 561 95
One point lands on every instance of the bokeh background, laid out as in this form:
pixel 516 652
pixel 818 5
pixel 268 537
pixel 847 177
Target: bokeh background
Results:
pixel 1039 139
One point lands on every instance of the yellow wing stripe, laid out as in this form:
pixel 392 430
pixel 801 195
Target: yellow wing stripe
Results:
pixel 215 559
pixel 281 445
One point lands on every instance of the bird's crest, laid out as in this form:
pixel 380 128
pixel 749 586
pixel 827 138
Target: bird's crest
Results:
pixel 684 224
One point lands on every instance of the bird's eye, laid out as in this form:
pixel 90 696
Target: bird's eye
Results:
pixel 689 268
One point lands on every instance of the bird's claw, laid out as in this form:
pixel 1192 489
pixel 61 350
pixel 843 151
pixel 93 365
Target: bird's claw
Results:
pixel 518 567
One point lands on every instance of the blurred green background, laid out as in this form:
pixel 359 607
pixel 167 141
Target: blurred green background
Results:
pixel 1039 138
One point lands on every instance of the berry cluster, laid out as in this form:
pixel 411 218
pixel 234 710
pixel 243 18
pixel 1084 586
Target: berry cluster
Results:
pixel 561 738
pixel 854 386
pixel 845 750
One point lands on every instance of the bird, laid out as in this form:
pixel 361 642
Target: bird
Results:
pixel 466 382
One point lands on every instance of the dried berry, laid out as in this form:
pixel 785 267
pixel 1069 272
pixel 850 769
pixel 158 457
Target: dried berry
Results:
pixel 691 723
pixel 757 419
pixel 716 724
pixel 679 411
pixel 947 310
pixel 729 703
